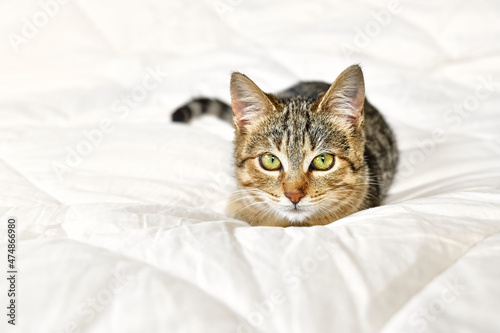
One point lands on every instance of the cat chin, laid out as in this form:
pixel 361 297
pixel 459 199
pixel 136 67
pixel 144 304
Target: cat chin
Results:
pixel 295 216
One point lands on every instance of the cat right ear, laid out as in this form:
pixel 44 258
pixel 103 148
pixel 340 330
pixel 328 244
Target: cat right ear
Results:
pixel 247 101
pixel 346 97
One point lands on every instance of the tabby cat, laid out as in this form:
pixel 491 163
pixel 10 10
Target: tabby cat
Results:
pixel 309 155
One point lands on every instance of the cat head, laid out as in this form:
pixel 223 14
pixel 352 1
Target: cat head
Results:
pixel 299 160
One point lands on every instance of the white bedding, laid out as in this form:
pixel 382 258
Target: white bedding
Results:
pixel 122 226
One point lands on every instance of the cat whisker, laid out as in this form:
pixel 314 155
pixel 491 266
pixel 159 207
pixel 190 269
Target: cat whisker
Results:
pixel 268 211
pixel 241 198
pixel 250 205
pixel 358 184
pixel 262 212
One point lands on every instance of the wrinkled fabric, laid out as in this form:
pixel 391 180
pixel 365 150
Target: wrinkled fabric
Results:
pixel 121 214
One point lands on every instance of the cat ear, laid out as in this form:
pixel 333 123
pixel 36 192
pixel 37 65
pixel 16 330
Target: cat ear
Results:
pixel 346 97
pixel 247 100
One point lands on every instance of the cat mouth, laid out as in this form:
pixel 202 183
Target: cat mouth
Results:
pixel 296 213
pixel 297 209
pixel 294 209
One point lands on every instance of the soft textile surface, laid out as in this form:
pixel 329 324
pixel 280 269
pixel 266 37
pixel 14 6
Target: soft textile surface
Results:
pixel 121 213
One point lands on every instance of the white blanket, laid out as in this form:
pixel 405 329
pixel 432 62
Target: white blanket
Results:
pixel 121 214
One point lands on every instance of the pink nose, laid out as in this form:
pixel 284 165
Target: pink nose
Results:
pixel 295 196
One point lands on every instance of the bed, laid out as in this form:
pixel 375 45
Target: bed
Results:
pixel 120 214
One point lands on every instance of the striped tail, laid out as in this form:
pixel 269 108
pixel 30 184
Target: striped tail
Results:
pixel 201 106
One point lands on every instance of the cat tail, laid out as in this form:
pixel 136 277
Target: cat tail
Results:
pixel 200 106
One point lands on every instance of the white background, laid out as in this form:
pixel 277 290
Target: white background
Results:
pixel 109 193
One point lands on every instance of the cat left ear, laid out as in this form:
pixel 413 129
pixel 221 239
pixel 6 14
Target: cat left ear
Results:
pixel 247 100
pixel 346 96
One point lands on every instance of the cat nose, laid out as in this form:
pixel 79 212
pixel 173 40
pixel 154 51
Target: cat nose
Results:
pixel 295 196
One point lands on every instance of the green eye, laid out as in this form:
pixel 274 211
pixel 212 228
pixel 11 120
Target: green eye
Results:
pixel 269 162
pixel 323 162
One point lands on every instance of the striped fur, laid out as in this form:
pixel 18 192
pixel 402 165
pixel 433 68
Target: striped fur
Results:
pixel 201 106
pixel 296 125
